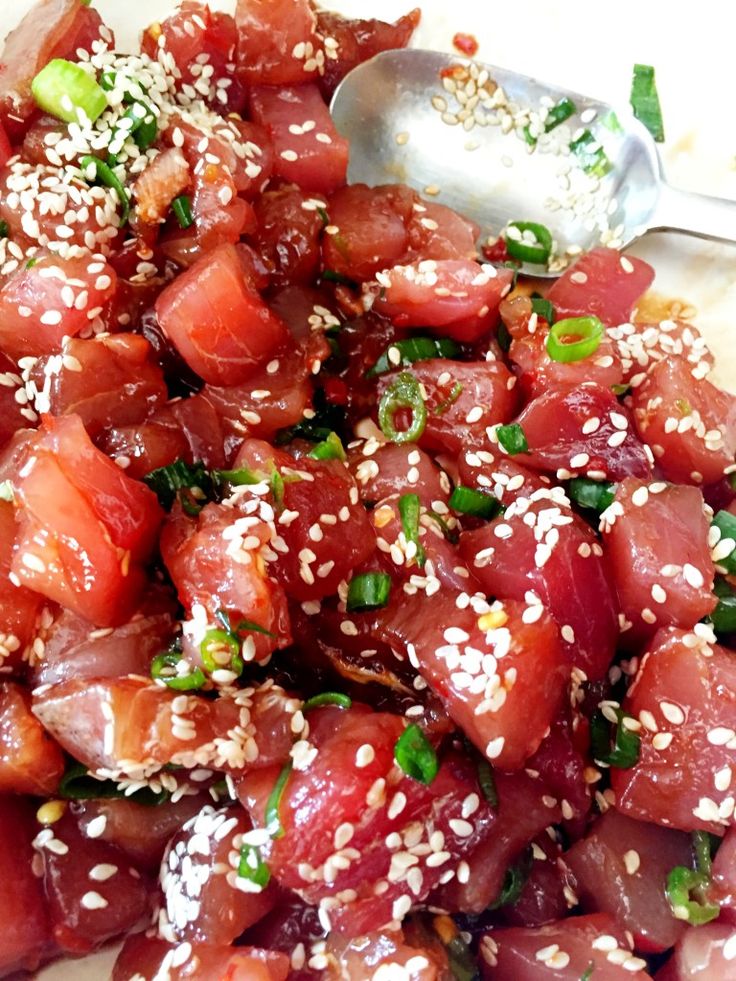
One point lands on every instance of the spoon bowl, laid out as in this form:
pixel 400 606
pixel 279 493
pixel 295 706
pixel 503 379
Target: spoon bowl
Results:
pixel 478 139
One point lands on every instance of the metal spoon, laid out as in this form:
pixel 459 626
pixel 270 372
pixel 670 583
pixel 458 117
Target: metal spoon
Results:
pixel 467 149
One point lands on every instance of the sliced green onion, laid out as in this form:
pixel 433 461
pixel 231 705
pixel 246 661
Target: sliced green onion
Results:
pixel 561 111
pixel 544 309
pixel 453 396
pixel 238 477
pixel 4 229
pixel 535 252
pixel 6 491
pixel 182 209
pixel 329 449
pixel 702 851
pixel 503 337
pixel 725 522
pixel 411 350
pixel 327 698
pixel 277 487
pixel 273 822
pixel 591 154
pixel 95 169
pixel 163 668
pixel 410 510
pixel 588 972
pixel 217 643
pixel 593 494
pixel 620 389
pixel 63 89
pixel 487 782
pixel 468 500
pixel 254 628
pixel 77 784
pixel 166 482
pixel 588 331
pixel 624 752
pixel 368 591
pixel 644 101
pixel 252 867
pixel 145 128
pixel 403 393
pixel 612 122
pixel 331 276
pixel 514 881
pixel 415 755
pixel 723 616
pixel 685 893
pixel 512 438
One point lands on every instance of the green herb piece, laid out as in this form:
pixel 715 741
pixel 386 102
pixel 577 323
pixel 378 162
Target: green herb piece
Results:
pixel 6 491
pixel 536 252
pixel 723 617
pixel 64 89
pixel 415 755
pixel 220 651
pixel 167 482
pixel 410 511
pixel 623 751
pixel 252 867
pixel 144 128
pixel 686 895
pixel 468 500
pixel 238 478
pixel 588 972
pixel 273 804
pixel 97 170
pixel 403 393
pixel 327 698
pixel 593 494
pixel 591 155
pixel 402 353
pixel 512 438
pixel 503 337
pixel 453 396
pixel 330 276
pixel 462 963
pixel 725 547
pixel 329 449
pixel 561 111
pixel 586 333
pixel 182 208
pixel 368 591
pixel 644 101
pixel 78 784
pixel 163 668
pixel 513 882
pixel 4 229
pixel 487 782
pixel 544 309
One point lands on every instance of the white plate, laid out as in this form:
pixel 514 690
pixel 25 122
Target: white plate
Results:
pixel 583 48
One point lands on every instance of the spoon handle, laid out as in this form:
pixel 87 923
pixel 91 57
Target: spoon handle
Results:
pixel 694 214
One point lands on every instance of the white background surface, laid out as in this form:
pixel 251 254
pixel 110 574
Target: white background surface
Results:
pixel 589 48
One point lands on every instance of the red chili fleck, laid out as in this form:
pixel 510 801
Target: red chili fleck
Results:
pixel 496 252
pixel 466 44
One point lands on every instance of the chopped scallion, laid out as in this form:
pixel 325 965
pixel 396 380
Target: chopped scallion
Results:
pixel 410 511
pixel 468 500
pixel 64 89
pixel 403 393
pixel 220 651
pixel 544 309
pixel 6 491
pixel 686 895
pixel 415 755
pixel 513 882
pixel 487 783
pixel 591 154
pixel 512 438
pixel 725 522
pixel 327 698
pixel 368 591
pixel 78 784
pixel 593 494
pixel 585 333
pixel 182 209
pixel 273 820
pixel 97 170
pixel 329 449
pixel 164 668
pixel 167 482
pixel 723 616
pixel 402 353
pixel 537 251
pixel 252 868
pixel 559 112
pixel 623 752
pixel 645 101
